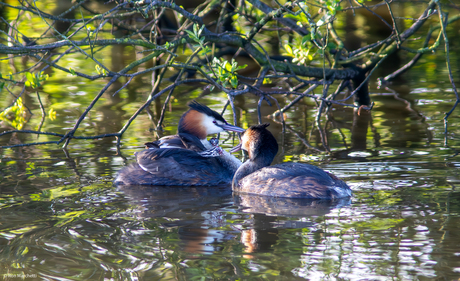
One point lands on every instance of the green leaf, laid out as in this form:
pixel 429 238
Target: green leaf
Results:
pixel 331 46
pixel 195 29
pixel 306 38
pixel 29 76
pixel 241 67
pixel 52 114
pixel 200 31
pixel 288 49
pixel 234 81
pixel 227 66
pixel 190 33
pixel 14 115
pixel 41 77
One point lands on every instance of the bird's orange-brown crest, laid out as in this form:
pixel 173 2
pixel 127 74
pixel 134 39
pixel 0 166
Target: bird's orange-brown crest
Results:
pixel 192 124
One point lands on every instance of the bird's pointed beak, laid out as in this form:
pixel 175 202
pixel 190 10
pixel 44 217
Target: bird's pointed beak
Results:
pixel 236 148
pixel 232 128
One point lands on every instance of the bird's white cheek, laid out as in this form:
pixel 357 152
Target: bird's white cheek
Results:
pixel 214 129
pixel 211 128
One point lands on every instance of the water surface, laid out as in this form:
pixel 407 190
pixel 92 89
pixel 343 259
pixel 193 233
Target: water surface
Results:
pixel 62 219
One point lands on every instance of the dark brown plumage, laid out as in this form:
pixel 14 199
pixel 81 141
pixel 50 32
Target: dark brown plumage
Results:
pixel 292 180
pixel 185 159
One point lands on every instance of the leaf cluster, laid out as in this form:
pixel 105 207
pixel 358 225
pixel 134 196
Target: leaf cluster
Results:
pixel 15 114
pixel 35 80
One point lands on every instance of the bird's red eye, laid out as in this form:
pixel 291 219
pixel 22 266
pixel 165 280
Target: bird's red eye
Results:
pixel 215 122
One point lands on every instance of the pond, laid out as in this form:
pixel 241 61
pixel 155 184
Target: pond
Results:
pixel 61 218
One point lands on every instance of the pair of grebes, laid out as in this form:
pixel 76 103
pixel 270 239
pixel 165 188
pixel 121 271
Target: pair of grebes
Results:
pixel 189 159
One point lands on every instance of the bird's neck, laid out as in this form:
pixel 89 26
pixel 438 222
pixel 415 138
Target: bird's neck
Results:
pixel 247 168
pixel 230 162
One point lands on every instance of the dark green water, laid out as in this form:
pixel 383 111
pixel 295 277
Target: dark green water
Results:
pixel 62 219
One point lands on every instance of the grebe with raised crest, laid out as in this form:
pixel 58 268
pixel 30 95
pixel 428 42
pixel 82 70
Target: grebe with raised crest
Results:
pixel 188 158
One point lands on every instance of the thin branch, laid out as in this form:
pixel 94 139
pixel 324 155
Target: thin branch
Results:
pixel 42 110
pixel 395 26
pixel 296 100
pixel 124 86
pixel 71 133
pixel 292 24
pixel 269 16
pixel 154 97
pixel 442 22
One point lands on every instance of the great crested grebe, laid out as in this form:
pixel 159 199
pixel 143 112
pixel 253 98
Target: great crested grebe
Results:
pixel 188 158
pixel 292 180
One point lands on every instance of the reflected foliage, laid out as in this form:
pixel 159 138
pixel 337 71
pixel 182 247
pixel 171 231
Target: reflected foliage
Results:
pixel 282 53
pixel 61 218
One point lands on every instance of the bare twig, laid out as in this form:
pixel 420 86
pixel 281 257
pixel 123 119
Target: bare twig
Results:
pixel 296 100
pixel 442 22
pixel 154 41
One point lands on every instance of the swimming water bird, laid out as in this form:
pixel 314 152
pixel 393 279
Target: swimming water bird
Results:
pixel 292 180
pixel 188 158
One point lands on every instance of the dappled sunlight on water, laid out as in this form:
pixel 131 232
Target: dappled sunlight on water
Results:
pixel 61 218
pixel 405 226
